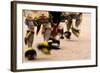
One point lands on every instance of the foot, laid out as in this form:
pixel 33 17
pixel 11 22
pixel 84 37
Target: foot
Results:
pixel 76 32
pixel 45 51
pixel 44 47
pixel 67 34
pixel 30 54
pixel 62 37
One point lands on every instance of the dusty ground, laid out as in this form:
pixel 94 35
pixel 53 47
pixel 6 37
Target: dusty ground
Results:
pixel 73 49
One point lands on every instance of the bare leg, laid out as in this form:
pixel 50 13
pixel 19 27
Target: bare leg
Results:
pixel 47 31
pixel 78 20
pixel 69 25
pixel 68 33
pixel 77 23
pixel 30 39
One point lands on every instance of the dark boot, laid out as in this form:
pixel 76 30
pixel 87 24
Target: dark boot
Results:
pixel 67 34
pixel 30 54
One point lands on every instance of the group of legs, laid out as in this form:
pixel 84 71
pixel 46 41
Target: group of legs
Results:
pixel 52 32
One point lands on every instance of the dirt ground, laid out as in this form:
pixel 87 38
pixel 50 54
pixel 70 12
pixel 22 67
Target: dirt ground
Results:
pixel 73 49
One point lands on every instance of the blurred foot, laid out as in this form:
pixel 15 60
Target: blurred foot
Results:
pixel 30 54
pixel 44 47
pixel 76 32
pixel 62 37
pixel 67 34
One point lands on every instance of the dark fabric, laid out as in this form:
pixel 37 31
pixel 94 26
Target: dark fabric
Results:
pixel 56 16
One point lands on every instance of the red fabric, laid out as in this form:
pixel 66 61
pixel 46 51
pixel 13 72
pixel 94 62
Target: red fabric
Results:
pixel 54 31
